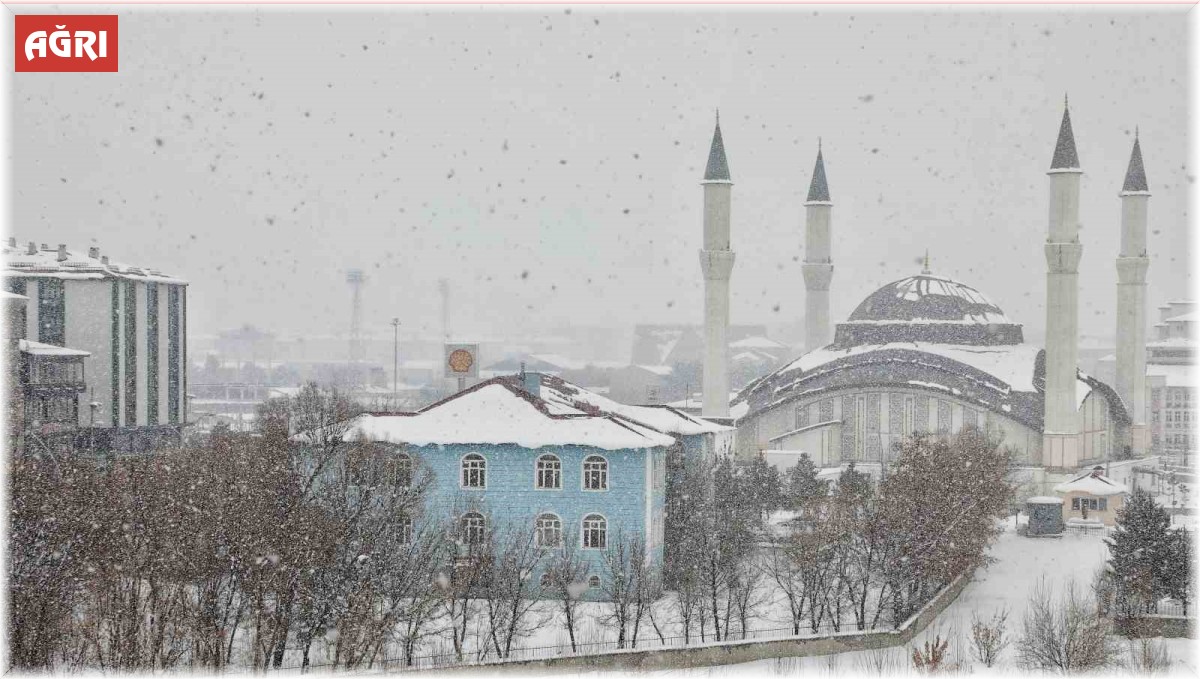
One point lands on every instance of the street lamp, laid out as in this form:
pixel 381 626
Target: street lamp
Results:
pixel 395 361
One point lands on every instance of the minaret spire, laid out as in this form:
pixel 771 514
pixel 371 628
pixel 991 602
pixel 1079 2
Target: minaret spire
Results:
pixel 1132 265
pixel 818 188
pixel 1065 157
pixel 716 264
pixel 1061 447
pixel 718 166
pixel 925 266
pixel 1135 175
pixel 818 257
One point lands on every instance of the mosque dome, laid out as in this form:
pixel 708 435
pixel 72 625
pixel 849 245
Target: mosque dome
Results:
pixel 927 308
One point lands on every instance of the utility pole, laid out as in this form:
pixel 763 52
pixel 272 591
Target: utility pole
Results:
pixel 395 361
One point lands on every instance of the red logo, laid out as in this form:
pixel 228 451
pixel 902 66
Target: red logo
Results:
pixel 73 43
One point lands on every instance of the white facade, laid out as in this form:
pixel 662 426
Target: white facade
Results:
pixel 109 310
pixel 716 265
pixel 1063 252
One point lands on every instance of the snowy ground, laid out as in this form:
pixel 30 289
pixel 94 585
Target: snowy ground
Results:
pixel 1020 565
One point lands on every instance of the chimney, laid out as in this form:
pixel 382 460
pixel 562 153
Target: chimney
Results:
pixel 32 248
pixel 62 252
pixel 532 383
pixel 94 252
pixel 1097 471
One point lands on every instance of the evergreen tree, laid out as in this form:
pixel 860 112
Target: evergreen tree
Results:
pixel 802 485
pixel 1149 559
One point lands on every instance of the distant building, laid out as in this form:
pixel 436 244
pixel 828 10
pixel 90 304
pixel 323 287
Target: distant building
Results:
pixel 1171 381
pixel 1092 495
pixel 131 324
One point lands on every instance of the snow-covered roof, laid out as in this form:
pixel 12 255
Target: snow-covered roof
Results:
pixel 1044 500
pixel 45 262
pixel 39 349
pixel 756 342
pixel 497 412
pixel 1184 318
pixel 1005 378
pixel 665 419
pixel 1011 363
pixel 5 294
pixel 1173 342
pixel 929 298
pixel 1092 482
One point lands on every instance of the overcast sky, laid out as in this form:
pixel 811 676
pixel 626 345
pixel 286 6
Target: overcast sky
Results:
pixel 547 161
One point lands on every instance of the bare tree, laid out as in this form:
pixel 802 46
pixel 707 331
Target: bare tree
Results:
pixel 989 638
pixel 508 588
pixel 566 576
pixel 1065 636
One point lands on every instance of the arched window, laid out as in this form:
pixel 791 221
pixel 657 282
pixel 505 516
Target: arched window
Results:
pixel 594 582
pixel 595 473
pixel 404 530
pixel 548 531
pixel 474 471
pixel 473 527
pixel 595 532
pixel 549 472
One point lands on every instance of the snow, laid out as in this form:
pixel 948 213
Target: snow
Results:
pixel 45 264
pixel 39 349
pixel 1174 375
pixel 1092 485
pixel 1019 565
pixel 1011 363
pixel 756 342
pixel 665 419
pixel 1044 500
pixel 497 414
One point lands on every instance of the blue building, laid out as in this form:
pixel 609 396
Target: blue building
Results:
pixel 537 451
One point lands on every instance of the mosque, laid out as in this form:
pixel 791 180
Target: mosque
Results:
pixel 929 354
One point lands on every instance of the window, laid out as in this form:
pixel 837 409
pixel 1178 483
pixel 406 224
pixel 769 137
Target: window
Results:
pixel 404 530
pixel 910 415
pixel 1089 503
pixel 549 472
pixel 398 471
pixel 801 416
pixel 151 353
pixel 595 473
pixel 546 581
pixel 860 426
pixel 474 471
pixel 595 531
pixel 548 531
pixel 593 582
pixel 473 528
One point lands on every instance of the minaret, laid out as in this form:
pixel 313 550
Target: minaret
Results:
pixel 818 258
pixel 716 262
pixel 1132 264
pixel 1060 440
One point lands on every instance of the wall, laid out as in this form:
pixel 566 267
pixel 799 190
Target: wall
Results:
pixel 729 653
pixel 511 497
pixel 885 430
pixel 88 306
